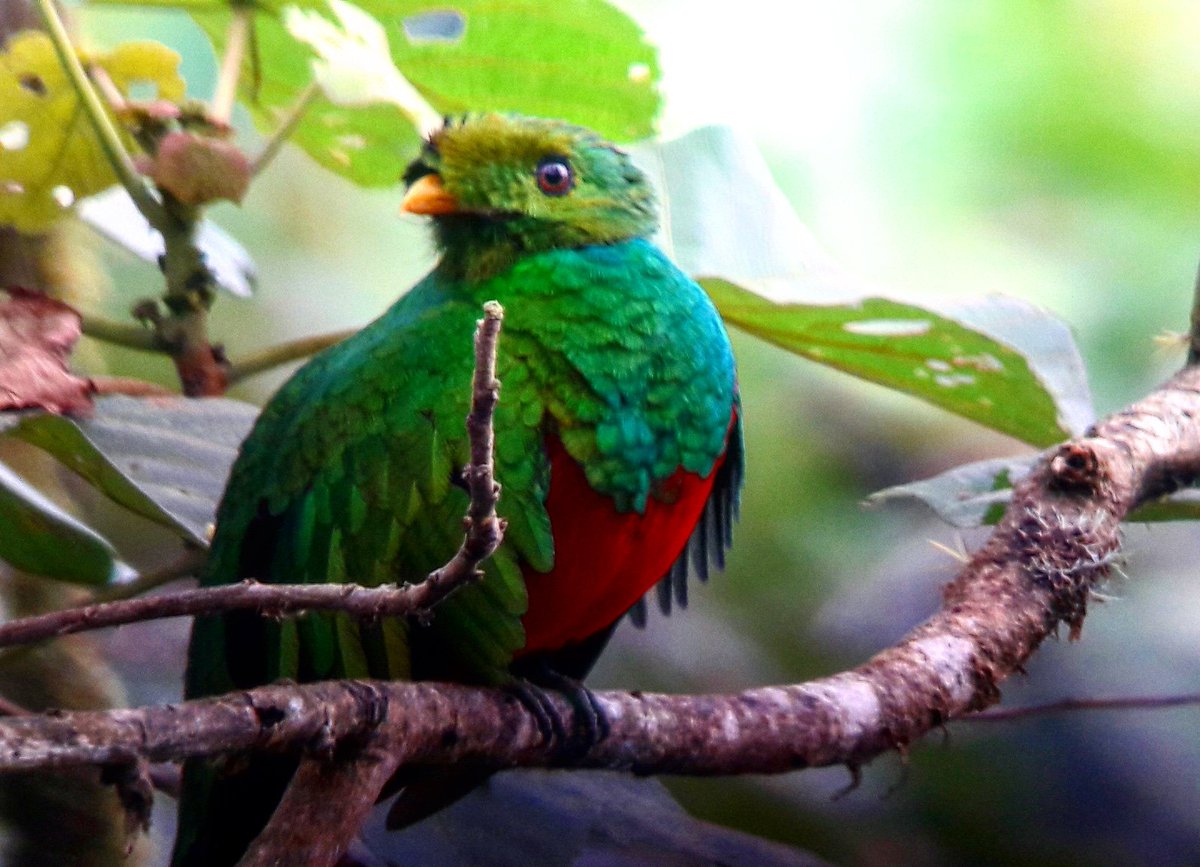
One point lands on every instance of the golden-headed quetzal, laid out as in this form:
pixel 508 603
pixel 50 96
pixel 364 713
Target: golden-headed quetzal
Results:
pixel 618 443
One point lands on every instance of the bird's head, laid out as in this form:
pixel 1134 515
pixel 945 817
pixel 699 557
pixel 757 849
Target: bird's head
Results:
pixel 499 186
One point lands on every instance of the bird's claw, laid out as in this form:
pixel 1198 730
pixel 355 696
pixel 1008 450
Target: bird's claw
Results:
pixel 590 719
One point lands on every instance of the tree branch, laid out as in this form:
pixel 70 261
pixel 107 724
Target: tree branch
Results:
pixel 106 132
pixel 484 533
pixel 1056 541
pixel 325 805
pixel 129 386
pixel 1143 702
pixel 231 63
pixel 283 132
pixel 275 600
pixel 273 356
pixel 122 334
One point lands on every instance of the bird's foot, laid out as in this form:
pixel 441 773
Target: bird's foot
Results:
pixel 534 699
pixel 591 720
pixel 591 723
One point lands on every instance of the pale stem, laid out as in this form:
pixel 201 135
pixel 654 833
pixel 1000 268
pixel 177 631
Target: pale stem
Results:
pixel 231 64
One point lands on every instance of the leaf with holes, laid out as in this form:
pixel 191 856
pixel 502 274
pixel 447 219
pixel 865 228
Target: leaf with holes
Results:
pixel 49 153
pixel 39 537
pixel 582 60
pixel 910 349
pixel 164 458
pixel 37 335
pixel 1000 362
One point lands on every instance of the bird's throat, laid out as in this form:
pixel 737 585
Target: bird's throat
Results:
pixel 476 248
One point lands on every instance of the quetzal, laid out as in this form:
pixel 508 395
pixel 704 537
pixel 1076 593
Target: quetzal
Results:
pixel 618 445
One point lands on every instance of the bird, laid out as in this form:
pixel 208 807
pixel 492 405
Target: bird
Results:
pixel 618 443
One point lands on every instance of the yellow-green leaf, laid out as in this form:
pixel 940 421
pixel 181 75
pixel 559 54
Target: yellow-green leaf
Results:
pixel 49 154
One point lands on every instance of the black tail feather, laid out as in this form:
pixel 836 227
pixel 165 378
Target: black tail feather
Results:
pixel 706 547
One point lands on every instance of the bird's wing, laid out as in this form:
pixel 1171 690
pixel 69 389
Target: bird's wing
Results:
pixel 349 477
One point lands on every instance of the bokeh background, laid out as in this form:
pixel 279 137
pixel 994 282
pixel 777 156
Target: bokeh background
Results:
pixel 1045 149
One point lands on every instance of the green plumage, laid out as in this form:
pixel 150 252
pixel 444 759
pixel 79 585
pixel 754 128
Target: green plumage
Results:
pixel 350 464
pixel 348 474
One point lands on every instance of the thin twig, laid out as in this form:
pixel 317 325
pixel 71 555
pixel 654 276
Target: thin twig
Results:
pixel 283 132
pixel 188 563
pixel 271 599
pixel 1148 702
pixel 122 334
pixel 110 140
pixel 274 356
pixel 231 63
pixel 1193 356
pixel 107 87
pixel 485 531
pixel 130 386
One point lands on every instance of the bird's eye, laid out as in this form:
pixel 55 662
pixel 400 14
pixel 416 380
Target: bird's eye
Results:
pixel 554 176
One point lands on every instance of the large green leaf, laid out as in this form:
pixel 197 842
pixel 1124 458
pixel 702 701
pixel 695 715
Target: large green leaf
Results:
pixel 582 60
pixel 908 348
pixel 39 537
pixel 164 458
pixel 997 361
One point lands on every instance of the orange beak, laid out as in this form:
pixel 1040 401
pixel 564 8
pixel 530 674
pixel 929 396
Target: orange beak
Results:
pixel 427 196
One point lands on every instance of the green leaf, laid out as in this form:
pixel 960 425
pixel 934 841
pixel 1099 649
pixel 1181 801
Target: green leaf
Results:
pixel 581 60
pixel 907 348
pixel 1000 362
pixel 1180 506
pixel 39 537
pixel 977 493
pixel 164 458
pixel 965 496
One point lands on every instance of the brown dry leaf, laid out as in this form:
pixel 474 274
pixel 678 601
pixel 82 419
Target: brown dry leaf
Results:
pixel 37 335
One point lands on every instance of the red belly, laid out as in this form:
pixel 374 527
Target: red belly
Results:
pixel 604 560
